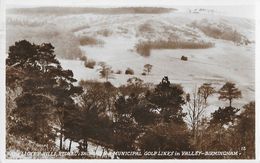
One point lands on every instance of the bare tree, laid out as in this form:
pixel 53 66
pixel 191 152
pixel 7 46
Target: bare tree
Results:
pixel 196 106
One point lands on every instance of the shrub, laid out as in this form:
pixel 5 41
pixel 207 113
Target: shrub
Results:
pixel 221 31
pixel 143 73
pixel 145 28
pixel 83 58
pixel 118 72
pixel 90 64
pixel 104 32
pixel 129 71
pixel 144 47
pixel 87 40
pixel 184 58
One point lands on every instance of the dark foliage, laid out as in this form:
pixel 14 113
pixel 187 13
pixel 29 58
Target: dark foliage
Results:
pixel 169 99
pixel 184 58
pixel 144 47
pixel 46 89
pixel 129 71
pixel 229 92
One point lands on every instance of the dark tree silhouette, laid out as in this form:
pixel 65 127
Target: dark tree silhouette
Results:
pixel 94 120
pixel 169 99
pixel 205 91
pixel 125 129
pixel 246 130
pixel 229 92
pixel 148 68
pixel 224 115
pixel 105 71
pixel 46 89
pixel 165 137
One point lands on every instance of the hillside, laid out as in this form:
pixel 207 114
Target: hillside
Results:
pixel 113 37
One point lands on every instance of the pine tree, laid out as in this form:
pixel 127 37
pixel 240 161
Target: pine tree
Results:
pixel 229 92
pixel 169 99
pixel 224 115
pixel 46 87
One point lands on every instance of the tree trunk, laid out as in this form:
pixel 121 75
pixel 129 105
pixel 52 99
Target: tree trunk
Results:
pixel 61 140
pixel 96 151
pixel 230 102
pixel 102 152
pixel 70 145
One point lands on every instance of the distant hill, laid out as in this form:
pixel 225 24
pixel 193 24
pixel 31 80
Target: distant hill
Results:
pixel 81 10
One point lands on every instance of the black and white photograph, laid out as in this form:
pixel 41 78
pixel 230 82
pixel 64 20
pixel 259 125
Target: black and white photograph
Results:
pixel 129 80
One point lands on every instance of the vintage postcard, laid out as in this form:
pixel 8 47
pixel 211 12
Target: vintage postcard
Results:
pixel 129 80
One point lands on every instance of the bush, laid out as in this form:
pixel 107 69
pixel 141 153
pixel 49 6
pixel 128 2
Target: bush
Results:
pixel 221 31
pixel 145 28
pixel 143 73
pixel 104 32
pixel 90 64
pixel 118 72
pixel 86 40
pixel 83 58
pixel 129 71
pixel 184 58
pixel 144 47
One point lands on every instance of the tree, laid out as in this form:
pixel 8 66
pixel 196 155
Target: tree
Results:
pixel 105 71
pixel 165 137
pixel 46 89
pixel 196 106
pixel 22 54
pixel 229 92
pixel 224 115
pixel 205 91
pixel 245 129
pixel 95 115
pixel 217 134
pixel 169 100
pixel 126 130
pixel 134 86
pixel 147 68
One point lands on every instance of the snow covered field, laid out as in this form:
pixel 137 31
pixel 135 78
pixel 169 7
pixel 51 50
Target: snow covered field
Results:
pixel 226 61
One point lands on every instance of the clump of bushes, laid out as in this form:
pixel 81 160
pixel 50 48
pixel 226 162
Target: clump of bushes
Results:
pixel 144 47
pixel 146 27
pixel 129 71
pixel 104 32
pixel 184 58
pixel 118 72
pixel 83 58
pixel 221 31
pixel 87 40
pixel 90 63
